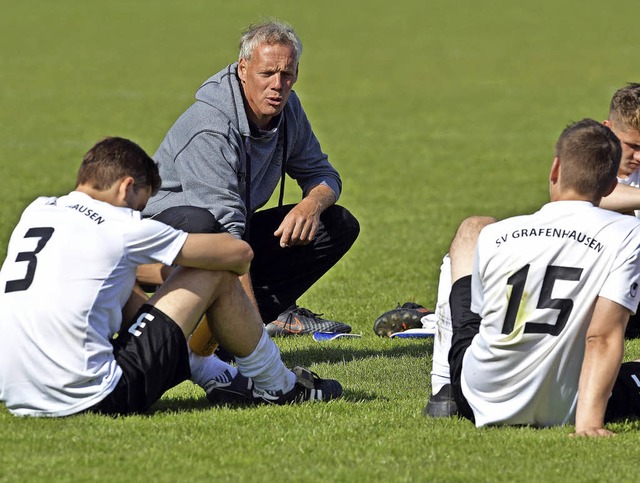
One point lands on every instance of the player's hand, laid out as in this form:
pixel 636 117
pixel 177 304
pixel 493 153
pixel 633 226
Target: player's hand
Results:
pixel 593 433
pixel 299 226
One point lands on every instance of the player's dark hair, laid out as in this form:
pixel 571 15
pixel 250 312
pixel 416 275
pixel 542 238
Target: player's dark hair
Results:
pixel 114 158
pixel 589 155
pixel 624 110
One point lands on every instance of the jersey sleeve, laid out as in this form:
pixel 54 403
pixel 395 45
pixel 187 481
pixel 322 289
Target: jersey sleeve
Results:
pixel 622 284
pixel 154 242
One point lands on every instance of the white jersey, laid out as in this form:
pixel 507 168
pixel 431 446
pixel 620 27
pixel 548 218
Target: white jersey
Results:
pixel 535 282
pixel 632 180
pixel 70 269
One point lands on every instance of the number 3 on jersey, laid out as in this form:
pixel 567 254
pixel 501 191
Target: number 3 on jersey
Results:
pixel 24 283
pixel 518 281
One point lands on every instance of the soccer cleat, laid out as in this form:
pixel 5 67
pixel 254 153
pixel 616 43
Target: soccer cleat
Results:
pixel 406 316
pixel 298 321
pixel 227 390
pixel 442 404
pixel 308 387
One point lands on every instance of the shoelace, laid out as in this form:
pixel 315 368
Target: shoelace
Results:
pixel 305 312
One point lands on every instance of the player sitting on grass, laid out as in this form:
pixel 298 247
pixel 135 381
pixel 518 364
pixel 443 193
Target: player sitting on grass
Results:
pixel 68 284
pixel 624 121
pixel 539 303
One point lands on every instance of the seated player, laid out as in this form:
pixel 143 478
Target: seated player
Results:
pixel 67 287
pixel 539 303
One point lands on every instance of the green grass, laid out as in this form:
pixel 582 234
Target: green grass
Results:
pixel 431 111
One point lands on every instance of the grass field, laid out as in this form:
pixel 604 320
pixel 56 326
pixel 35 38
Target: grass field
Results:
pixel 431 111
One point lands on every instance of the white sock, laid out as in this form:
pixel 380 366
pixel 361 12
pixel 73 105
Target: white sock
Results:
pixel 203 369
pixel 440 371
pixel 264 365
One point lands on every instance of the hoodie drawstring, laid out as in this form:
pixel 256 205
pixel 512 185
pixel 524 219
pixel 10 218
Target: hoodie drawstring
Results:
pixel 247 181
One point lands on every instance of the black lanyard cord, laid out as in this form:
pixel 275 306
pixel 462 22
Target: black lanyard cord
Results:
pixel 247 180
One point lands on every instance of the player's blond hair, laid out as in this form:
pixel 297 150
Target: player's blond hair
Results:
pixel 624 110
pixel 589 156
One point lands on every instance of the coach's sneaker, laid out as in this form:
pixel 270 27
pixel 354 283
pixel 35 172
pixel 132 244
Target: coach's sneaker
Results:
pixel 308 387
pixel 227 390
pixel 298 321
pixel 442 404
pixel 406 316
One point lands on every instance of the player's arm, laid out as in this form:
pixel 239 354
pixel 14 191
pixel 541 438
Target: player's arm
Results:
pixel 623 199
pixel 603 355
pixel 300 225
pixel 215 251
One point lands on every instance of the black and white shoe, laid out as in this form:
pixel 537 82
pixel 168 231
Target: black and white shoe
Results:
pixel 308 387
pixel 225 389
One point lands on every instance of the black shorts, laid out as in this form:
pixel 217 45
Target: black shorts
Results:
pixel 279 277
pixel 465 325
pixel 624 402
pixel 153 357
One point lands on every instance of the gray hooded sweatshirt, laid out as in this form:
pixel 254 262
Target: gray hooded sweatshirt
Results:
pixel 203 157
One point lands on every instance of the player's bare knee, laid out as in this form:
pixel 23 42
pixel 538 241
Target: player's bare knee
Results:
pixel 204 283
pixel 470 228
pixel 464 243
pixel 474 224
pixel 217 283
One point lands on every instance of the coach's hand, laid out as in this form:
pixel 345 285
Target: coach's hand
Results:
pixel 301 223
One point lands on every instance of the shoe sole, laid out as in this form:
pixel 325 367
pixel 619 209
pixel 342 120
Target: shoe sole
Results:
pixel 231 394
pixel 329 388
pixel 398 320
pixel 279 329
pixel 230 397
